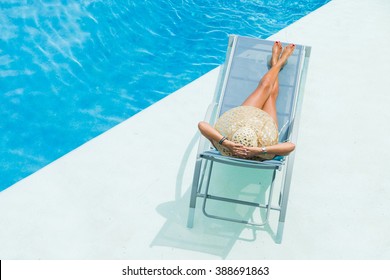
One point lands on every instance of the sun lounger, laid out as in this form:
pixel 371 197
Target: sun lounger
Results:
pixel 246 62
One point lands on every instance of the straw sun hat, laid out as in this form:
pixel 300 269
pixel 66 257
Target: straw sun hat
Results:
pixel 250 126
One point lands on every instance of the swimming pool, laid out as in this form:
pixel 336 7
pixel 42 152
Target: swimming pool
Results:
pixel 71 70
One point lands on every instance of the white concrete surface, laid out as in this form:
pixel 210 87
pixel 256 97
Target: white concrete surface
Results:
pixel 124 195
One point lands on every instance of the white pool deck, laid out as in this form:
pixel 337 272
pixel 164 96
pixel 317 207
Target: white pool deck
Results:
pixel 124 195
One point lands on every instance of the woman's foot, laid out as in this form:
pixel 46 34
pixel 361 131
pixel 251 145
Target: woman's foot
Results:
pixel 287 51
pixel 276 51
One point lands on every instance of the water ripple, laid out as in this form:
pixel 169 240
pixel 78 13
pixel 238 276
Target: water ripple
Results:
pixel 72 69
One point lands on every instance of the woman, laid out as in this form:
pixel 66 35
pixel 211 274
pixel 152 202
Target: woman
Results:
pixel 263 97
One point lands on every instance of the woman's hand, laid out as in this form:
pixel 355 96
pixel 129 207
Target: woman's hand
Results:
pixel 252 152
pixel 236 149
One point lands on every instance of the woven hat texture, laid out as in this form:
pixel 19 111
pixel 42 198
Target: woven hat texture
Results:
pixel 249 126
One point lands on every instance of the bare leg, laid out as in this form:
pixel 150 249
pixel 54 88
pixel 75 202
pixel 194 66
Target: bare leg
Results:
pixel 270 104
pixel 269 83
pixel 263 97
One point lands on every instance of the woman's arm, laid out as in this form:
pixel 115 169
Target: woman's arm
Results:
pixel 213 135
pixel 239 150
pixel 209 132
pixel 281 149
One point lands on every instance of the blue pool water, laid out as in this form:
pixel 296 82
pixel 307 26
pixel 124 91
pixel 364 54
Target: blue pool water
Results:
pixel 71 70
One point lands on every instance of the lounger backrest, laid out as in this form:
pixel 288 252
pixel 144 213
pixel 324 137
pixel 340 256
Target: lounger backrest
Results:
pixel 247 62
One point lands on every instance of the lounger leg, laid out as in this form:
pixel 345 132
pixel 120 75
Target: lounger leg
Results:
pixel 271 189
pixel 284 200
pixel 279 233
pixel 194 190
pixel 282 216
